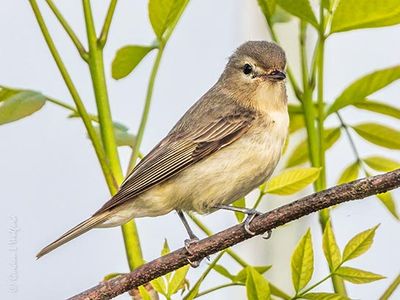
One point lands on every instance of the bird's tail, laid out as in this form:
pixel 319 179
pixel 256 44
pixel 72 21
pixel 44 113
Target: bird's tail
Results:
pixel 79 229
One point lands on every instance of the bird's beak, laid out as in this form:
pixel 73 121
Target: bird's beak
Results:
pixel 276 75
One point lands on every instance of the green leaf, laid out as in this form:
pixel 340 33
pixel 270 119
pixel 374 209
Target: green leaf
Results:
pixel 242 275
pixel 356 14
pixel 127 58
pixel 144 293
pixel 165 249
pixel 327 4
pixel 330 247
pixel 122 137
pixel 388 202
pixel 350 173
pixel 178 280
pixel 379 135
pixel 20 105
pixel 300 153
pixel 324 296
pixel 95 118
pixel 380 163
pixel 257 287
pixel 365 86
pixel 267 7
pixel 6 92
pixel 159 285
pixel 296 122
pixel 280 16
pixel 302 262
pixel 239 203
pixel 163 13
pixel 223 271
pixel 291 181
pixel 359 244
pixel 301 9
pixel 357 276
pixel 378 107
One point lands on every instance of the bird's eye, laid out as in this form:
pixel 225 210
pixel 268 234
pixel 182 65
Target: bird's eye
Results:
pixel 247 69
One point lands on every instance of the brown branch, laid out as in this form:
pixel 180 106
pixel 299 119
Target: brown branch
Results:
pixel 351 191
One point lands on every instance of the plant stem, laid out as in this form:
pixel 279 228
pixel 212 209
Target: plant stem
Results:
pixel 62 104
pixel 96 67
pixel 313 286
pixel 216 288
pixel 205 273
pixel 146 109
pixel 258 200
pixel 208 232
pixel 161 46
pixel 107 22
pixel 390 290
pixel 81 49
pixel 351 141
pixel 307 104
pixel 337 282
pixel 75 96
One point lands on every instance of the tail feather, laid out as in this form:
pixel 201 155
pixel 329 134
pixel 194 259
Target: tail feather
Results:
pixel 74 232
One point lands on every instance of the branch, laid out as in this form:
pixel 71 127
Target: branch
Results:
pixel 354 190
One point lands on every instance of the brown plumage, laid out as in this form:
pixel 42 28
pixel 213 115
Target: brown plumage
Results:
pixel 225 145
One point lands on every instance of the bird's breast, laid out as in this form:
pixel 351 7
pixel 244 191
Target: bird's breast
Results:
pixel 234 171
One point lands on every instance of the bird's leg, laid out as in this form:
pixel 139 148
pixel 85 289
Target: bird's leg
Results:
pixel 193 239
pixel 251 214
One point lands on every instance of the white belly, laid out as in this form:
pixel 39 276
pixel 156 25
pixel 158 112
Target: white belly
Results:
pixel 224 177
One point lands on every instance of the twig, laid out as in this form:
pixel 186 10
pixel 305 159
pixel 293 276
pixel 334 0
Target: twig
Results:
pixel 351 191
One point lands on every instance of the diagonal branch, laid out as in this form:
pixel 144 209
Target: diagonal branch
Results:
pixel 354 190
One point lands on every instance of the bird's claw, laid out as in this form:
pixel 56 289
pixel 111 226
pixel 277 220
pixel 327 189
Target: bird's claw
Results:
pixel 267 234
pixel 188 244
pixel 251 214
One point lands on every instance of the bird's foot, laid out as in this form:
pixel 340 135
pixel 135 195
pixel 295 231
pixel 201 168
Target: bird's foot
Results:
pixel 251 214
pixel 188 245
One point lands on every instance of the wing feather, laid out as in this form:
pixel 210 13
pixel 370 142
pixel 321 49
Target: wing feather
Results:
pixel 177 152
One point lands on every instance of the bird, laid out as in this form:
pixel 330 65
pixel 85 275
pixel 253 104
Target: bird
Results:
pixel 227 144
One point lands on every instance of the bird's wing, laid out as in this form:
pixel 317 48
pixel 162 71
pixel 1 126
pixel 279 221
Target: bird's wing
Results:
pixel 177 152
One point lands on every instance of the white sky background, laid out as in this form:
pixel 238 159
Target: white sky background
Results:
pixel 50 179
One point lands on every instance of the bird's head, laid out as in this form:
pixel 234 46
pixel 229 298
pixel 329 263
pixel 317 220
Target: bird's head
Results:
pixel 256 69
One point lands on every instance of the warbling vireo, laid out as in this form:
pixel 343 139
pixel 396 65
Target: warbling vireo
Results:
pixel 228 143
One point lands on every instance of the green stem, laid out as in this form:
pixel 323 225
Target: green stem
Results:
pixel 313 286
pixel 337 282
pixel 75 96
pixel 258 200
pixel 146 109
pixel 196 286
pixel 107 23
pixel 208 232
pixel 390 290
pixel 62 104
pixel 161 46
pixel 351 142
pixel 216 288
pixel 133 248
pixel 307 104
pixel 81 49
pixel 96 67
